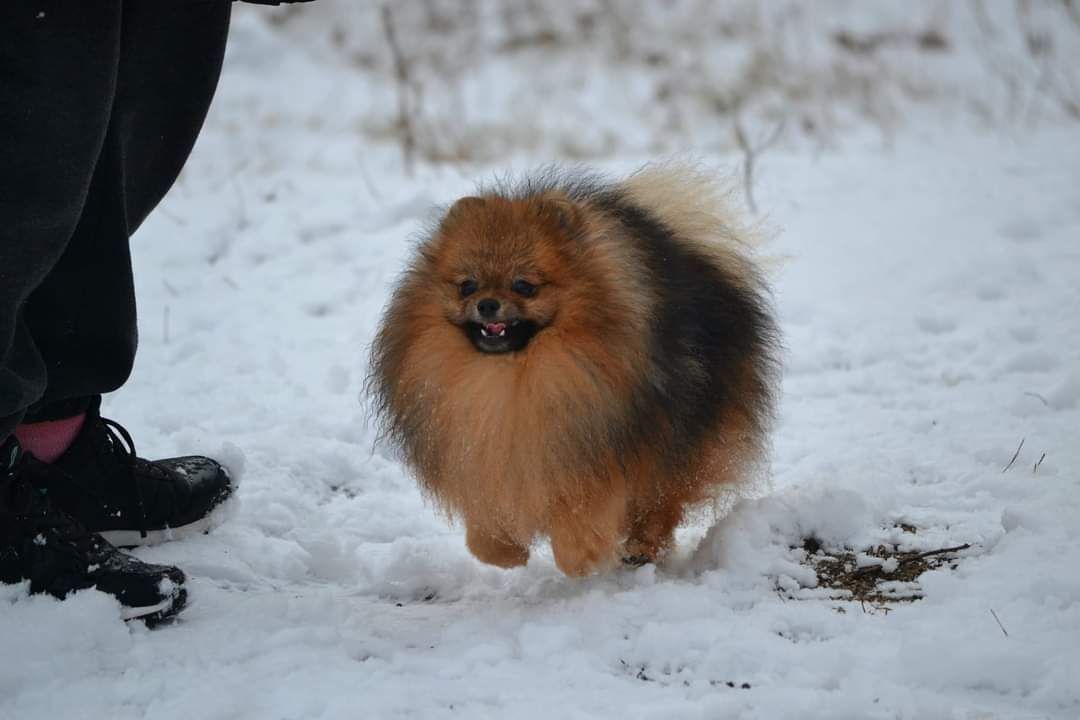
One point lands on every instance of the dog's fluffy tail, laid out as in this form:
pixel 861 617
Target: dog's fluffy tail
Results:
pixel 694 204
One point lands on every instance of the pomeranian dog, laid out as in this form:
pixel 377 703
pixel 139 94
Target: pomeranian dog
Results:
pixel 580 360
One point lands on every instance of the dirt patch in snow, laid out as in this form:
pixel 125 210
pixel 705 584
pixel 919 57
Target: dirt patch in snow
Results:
pixel 878 575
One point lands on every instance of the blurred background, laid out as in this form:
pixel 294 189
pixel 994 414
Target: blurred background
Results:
pixel 478 81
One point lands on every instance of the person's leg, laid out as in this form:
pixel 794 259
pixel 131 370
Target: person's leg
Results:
pixel 58 67
pixel 58 74
pixel 82 316
pixel 102 103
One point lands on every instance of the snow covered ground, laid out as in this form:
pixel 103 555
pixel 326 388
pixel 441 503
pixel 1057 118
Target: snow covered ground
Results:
pixel 930 298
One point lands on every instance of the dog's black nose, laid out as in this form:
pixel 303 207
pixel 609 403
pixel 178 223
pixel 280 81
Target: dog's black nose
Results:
pixel 487 307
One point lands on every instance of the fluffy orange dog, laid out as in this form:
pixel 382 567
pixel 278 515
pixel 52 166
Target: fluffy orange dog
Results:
pixel 578 360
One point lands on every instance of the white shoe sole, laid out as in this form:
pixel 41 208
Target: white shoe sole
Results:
pixel 134 613
pixel 134 538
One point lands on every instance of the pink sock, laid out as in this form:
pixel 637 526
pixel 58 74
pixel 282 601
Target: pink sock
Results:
pixel 48 440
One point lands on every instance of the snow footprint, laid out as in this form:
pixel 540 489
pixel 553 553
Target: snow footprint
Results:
pixel 1024 334
pixel 1021 230
pixel 936 325
pixel 1032 361
pixel 1067 395
pixel 990 293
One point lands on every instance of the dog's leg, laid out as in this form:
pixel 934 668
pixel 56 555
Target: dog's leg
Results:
pixel 495 549
pixel 652 530
pixel 585 538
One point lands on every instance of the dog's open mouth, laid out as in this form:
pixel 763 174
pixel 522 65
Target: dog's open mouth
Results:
pixel 490 330
pixel 501 336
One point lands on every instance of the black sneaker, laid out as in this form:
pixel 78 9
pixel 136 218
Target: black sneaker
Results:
pixel 130 501
pixel 59 555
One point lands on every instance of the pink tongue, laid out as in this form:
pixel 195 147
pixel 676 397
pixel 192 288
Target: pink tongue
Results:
pixel 495 328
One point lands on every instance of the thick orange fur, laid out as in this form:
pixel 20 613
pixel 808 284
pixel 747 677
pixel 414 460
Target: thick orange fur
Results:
pixel 555 439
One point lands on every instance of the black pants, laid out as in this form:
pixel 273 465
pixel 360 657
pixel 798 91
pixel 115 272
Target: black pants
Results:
pixel 100 104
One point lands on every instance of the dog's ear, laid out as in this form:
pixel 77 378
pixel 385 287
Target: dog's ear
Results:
pixel 462 209
pixel 563 212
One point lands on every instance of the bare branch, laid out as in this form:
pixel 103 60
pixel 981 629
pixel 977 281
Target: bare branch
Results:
pixel 402 73
pixel 750 153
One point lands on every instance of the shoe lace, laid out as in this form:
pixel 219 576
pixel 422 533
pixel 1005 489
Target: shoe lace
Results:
pixel 123 447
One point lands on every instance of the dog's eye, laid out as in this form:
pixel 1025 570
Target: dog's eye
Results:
pixel 467 288
pixel 523 288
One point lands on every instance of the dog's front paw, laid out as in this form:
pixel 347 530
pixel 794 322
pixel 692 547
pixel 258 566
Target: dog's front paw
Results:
pixel 494 550
pixel 581 554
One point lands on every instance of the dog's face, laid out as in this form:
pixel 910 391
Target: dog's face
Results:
pixel 500 269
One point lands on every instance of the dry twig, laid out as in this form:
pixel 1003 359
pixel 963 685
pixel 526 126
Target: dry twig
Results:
pixel 942 551
pixel 871 569
pixel 1038 397
pixel 750 153
pixel 1006 632
pixel 1015 455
